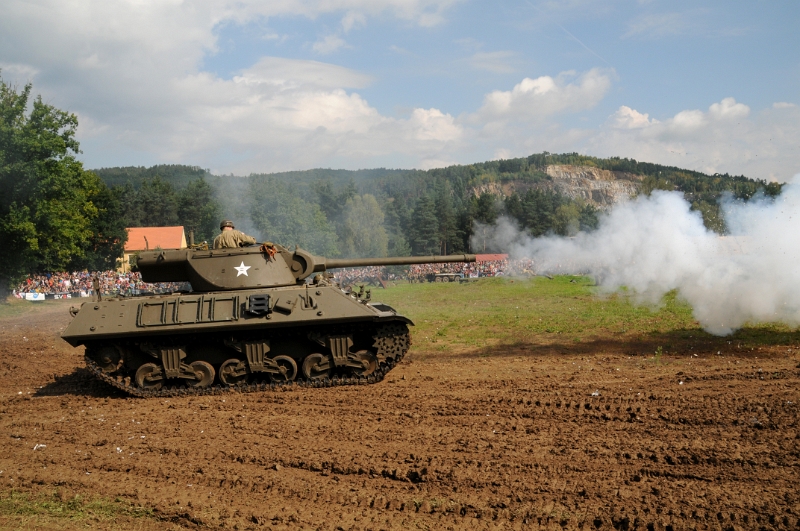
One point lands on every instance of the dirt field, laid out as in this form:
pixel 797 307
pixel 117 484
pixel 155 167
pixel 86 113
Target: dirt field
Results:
pixel 590 435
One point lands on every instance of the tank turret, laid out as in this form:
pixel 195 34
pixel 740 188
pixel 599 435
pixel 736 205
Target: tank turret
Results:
pixel 251 322
pixel 265 266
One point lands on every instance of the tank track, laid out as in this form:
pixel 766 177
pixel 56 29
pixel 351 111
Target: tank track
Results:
pixel 392 347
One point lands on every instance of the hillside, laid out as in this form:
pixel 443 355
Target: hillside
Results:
pixel 337 212
pixel 600 182
pixel 178 175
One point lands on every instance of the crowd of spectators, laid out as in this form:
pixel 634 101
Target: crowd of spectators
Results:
pixel 421 272
pixel 113 283
pixel 80 284
pixel 372 274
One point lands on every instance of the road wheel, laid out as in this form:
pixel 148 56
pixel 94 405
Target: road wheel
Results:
pixel 149 376
pixel 288 369
pixel 317 366
pixel 369 362
pixel 204 372
pixel 233 372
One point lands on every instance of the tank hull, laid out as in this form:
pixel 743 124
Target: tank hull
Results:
pixel 246 339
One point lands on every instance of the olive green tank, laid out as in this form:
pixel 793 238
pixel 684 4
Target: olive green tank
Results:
pixel 253 320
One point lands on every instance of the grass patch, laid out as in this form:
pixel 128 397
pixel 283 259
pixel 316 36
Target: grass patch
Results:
pixel 77 508
pixel 14 307
pixel 500 311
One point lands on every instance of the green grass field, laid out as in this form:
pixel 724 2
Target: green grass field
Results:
pixel 493 313
pixel 15 307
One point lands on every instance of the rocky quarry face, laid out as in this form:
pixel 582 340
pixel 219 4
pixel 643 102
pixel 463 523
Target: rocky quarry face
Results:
pixel 600 188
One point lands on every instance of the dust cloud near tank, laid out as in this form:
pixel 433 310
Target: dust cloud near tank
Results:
pixel 655 244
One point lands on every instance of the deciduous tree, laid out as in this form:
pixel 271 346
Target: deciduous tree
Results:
pixel 48 202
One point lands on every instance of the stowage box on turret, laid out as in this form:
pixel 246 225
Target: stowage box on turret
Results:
pixel 251 321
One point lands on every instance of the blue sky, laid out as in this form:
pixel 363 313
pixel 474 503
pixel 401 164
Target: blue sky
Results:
pixel 251 86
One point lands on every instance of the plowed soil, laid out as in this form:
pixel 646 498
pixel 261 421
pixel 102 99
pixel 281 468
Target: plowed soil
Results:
pixel 546 436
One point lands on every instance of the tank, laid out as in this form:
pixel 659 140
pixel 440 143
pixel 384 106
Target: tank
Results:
pixel 254 319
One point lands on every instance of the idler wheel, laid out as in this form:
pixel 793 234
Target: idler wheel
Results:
pixel 317 366
pixel 150 377
pixel 368 361
pixel 204 372
pixel 233 372
pixel 288 369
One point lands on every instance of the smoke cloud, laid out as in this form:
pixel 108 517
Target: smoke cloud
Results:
pixel 656 244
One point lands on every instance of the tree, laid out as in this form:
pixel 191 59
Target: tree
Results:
pixel 333 203
pixel 158 202
pixel 47 199
pixel 364 233
pixel 282 216
pixel 566 221
pixel 397 223
pixel 447 222
pixel 198 211
pixel 108 237
pixel 424 233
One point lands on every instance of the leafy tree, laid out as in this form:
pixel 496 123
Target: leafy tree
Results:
pixel 397 222
pixel 448 231
pixel 364 233
pixel 282 216
pixel 566 220
pixel 424 228
pixel 153 204
pixel 177 175
pixel 46 198
pixel 107 241
pixel 132 211
pixel 588 218
pixel 481 212
pixel 333 203
pixel 158 203
pixel 198 211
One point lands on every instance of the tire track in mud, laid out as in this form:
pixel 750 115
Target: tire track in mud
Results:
pixel 499 443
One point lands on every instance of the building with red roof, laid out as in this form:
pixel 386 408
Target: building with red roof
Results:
pixel 151 238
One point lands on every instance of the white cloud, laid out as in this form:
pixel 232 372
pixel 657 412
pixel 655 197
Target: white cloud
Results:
pixel 627 118
pixel 293 73
pixel 132 72
pixel 728 109
pixel 502 153
pixel 725 139
pixel 353 19
pixel 543 96
pixel 432 124
pixel 329 44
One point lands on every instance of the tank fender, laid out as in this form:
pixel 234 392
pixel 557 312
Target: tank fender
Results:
pixel 400 318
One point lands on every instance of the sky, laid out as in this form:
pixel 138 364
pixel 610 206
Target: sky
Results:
pixel 243 86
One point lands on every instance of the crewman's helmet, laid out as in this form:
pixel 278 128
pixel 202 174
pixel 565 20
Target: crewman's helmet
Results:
pixel 226 223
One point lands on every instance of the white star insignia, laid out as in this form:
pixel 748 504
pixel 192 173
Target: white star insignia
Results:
pixel 242 270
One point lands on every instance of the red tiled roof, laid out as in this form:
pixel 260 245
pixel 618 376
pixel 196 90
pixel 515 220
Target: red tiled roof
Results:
pixel 163 237
pixel 490 257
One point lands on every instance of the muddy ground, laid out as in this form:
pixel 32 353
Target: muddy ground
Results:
pixel 592 436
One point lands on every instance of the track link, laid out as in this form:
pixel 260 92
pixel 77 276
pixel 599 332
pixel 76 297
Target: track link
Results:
pixel 392 341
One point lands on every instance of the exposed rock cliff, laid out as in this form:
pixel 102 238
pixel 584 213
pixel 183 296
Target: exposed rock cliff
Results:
pixel 601 188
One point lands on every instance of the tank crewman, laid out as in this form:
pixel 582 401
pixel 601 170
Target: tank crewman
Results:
pixel 230 237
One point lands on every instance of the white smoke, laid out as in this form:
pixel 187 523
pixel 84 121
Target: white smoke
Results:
pixel 656 244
